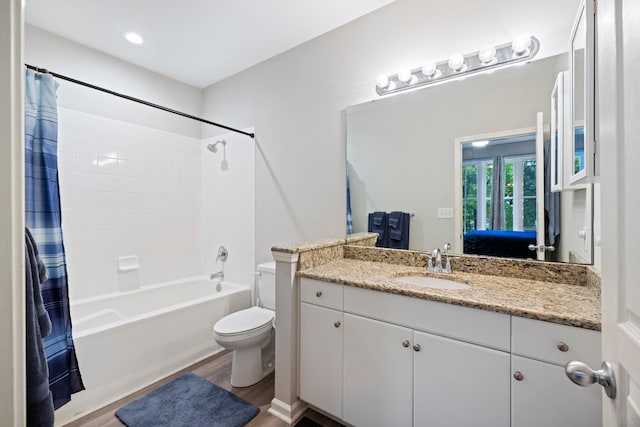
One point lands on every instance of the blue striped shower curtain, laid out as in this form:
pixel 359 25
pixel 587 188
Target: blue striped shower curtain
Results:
pixel 43 218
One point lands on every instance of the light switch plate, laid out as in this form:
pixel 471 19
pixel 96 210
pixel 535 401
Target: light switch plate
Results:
pixel 445 212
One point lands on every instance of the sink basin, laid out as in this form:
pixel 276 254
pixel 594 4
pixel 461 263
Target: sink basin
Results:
pixel 432 282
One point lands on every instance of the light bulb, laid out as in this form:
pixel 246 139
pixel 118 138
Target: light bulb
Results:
pixel 429 69
pixel 456 62
pixel 487 54
pixel 521 44
pixel 382 81
pixel 404 76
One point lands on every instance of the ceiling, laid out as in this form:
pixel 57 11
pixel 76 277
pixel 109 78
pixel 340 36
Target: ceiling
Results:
pixel 198 42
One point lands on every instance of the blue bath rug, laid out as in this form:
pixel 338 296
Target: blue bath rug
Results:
pixel 187 401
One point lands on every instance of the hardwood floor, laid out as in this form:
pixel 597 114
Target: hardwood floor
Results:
pixel 216 369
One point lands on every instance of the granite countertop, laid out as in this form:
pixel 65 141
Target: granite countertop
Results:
pixel 566 304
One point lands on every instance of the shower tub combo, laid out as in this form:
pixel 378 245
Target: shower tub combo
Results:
pixel 127 341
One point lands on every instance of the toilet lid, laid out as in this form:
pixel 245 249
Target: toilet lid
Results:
pixel 243 321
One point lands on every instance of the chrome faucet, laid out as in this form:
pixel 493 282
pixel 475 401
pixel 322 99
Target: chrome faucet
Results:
pixel 436 255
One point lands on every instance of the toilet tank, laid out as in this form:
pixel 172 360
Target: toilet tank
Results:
pixel 267 284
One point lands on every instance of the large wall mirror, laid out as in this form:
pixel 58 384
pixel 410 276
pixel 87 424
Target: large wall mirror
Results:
pixel 401 157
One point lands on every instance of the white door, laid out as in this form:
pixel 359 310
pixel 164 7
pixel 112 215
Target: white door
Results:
pixel 618 145
pixel 459 384
pixel 540 229
pixel 378 373
pixel 542 396
pixel 321 358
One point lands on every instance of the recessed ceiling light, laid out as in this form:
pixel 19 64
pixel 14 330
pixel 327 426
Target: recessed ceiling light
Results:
pixel 480 143
pixel 133 38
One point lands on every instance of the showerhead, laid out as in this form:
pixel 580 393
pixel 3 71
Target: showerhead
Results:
pixel 213 148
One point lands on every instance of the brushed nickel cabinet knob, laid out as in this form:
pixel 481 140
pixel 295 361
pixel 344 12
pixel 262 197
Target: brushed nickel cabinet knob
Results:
pixel 562 346
pixel 518 376
pixel 417 347
pixel 405 343
pixel 319 294
pixel 337 324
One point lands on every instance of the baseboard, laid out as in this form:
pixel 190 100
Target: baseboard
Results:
pixel 290 414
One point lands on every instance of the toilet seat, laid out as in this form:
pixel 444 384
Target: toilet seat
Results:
pixel 244 321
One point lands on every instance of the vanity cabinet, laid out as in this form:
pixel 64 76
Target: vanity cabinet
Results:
pixel 415 378
pixel 379 359
pixel 541 394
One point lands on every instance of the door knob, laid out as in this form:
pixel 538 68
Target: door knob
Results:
pixel 581 374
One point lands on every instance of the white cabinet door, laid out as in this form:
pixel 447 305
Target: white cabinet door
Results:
pixel 378 373
pixel 544 396
pixel 459 384
pixel 321 358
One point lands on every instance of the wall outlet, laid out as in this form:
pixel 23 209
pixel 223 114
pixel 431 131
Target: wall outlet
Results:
pixel 445 212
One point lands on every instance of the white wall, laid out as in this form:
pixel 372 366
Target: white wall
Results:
pixel 63 56
pixel 401 149
pixel 126 190
pixel 296 101
pixel 228 207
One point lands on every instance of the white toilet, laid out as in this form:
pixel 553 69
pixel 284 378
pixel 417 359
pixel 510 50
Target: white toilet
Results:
pixel 250 334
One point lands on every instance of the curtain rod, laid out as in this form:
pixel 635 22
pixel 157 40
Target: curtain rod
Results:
pixel 139 101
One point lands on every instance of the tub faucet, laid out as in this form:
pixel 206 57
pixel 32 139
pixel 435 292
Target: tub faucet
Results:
pixel 218 275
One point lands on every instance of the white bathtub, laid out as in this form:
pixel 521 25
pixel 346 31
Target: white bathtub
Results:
pixel 129 340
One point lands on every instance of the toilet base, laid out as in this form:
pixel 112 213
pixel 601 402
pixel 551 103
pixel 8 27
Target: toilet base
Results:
pixel 250 365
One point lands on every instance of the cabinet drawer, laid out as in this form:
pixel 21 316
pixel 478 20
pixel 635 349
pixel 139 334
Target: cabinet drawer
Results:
pixel 544 341
pixel 320 293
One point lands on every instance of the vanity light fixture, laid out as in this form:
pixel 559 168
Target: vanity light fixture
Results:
pixel 488 59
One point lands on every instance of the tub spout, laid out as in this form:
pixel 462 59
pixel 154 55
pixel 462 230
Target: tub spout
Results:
pixel 218 275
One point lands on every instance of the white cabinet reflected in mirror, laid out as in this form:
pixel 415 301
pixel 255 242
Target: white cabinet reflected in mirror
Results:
pixel 560 98
pixel 582 162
